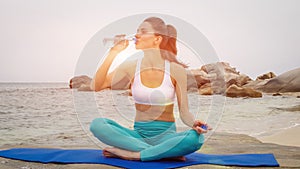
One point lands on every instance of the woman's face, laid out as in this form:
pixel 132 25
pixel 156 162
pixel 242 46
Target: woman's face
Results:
pixel 145 37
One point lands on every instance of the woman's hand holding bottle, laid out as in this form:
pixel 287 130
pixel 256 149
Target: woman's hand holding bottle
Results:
pixel 119 42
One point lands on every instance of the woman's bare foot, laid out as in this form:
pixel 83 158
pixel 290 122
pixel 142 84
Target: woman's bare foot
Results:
pixel 108 154
pixel 180 158
pixel 119 153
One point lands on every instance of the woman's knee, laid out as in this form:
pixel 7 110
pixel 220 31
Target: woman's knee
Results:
pixel 194 139
pixel 99 124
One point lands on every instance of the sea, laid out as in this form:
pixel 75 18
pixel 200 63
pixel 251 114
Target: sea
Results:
pixel 52 114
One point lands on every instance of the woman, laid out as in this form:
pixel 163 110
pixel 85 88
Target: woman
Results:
pixel 154 81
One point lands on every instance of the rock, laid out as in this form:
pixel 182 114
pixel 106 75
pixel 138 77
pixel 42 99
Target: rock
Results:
pixel 276 94
pixel 291 109
pixel 220 75
pixel 256 84
pixel 239 80
pixel 236 91
pixel 231 82
pixel 78 81
pixel 216 75
pixel 196 78
pixel 197 72
pixel 268 75
pixel 218 86
pixel 84 87
pixel 223 65
pixel 286 82
pixel 243 79
pixel 206 89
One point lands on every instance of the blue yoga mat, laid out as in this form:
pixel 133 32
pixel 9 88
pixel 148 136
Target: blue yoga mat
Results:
pixel 91 156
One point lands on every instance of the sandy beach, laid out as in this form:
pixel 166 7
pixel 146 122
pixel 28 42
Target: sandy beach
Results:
pixel 219 143
pixel 288 137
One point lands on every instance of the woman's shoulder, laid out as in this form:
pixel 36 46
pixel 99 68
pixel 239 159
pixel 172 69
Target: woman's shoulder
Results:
pixel 178 72
pixel 177 68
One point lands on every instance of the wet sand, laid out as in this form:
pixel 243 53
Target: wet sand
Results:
pixel 288 137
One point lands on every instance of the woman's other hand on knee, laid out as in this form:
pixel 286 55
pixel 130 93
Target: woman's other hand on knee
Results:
pixel 201 127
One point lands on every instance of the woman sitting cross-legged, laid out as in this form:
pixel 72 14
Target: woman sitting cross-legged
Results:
pixel 155 80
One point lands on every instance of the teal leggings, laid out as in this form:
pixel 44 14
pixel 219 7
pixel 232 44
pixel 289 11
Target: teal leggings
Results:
pixel 154 139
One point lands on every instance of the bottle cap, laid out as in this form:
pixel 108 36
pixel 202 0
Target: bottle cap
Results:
pixel 204 127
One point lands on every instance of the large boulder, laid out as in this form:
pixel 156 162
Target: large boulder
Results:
pixel 236 91
pixel 224 66
pixel 78 81
pixel 216 75
pixel 243 79
pixel 196 78
pixel 84 87
pixel 206 89
pixel 256 84
pixel 221 75
pixel 239 80
pixel 286 82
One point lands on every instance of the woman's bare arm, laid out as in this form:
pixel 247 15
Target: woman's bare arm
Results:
pixel 180 75
pixel 102 79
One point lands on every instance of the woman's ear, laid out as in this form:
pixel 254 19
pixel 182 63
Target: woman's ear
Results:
pixel 158 39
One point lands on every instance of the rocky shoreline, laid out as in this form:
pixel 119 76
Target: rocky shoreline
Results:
pixel 221 78
pixel 218 143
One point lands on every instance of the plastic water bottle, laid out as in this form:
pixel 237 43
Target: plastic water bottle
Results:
pixel 204 127
pixel 110 41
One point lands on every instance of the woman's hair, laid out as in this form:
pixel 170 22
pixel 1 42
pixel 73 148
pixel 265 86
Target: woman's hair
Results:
pixel 169 34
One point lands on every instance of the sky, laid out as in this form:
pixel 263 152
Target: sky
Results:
pixel 42 40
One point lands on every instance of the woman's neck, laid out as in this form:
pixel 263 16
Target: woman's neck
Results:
pixel 152 57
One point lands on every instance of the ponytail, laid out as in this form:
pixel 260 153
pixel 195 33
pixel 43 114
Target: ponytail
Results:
pixel 169 48
pixel 169 34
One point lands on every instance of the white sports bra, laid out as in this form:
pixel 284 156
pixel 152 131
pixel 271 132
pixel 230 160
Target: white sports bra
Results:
pixel 162 95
